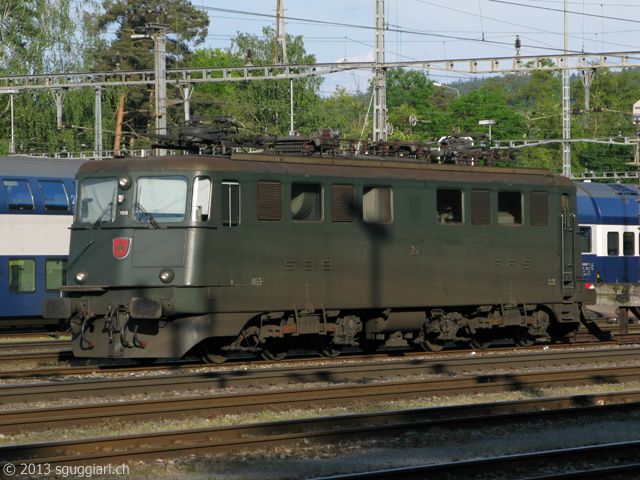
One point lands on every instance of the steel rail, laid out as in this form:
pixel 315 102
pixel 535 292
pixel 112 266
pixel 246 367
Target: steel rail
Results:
pixel 473 469
pixel 456 364
pixel 44 419
pixel 59 356
pixel 150 446
pixel 213 380
pixel 29 346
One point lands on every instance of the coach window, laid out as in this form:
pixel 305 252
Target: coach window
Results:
pixel 270 201
pixel 377 204
pixel 201 202
pixel 19 195
pixel 98 197
pixel 160 199
pixel 613 247
pixel 55 274
pixel 55 196
pixel 449 206
pixel 539 209
pixel 22 275
pixel 343 203
pixel 585 239
pixel 509 208
pixel 628 244
pixel 480 207
pixel 306 202
pixel 230 204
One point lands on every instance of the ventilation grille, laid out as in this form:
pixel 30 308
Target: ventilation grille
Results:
pixel 480 207
pixel 270 201
pixel 343 202
pixel 539 209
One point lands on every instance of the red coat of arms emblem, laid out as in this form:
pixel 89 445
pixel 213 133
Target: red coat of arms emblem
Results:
pixel 121 247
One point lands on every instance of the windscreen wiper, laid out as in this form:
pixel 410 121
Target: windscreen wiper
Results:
pixel 109 207
pixel 150 218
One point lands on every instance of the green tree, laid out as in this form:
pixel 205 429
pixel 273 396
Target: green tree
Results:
pixel 263 105
pixel 187 27
pixel 40 36
pixel 348 113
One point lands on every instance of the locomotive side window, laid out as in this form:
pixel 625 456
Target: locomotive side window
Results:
pixel 480 207
pixel 270 201
pixel 55 196
pixel 628 244
pixel 230 204
pixel 97 200
pixel 22 275
pixel 343 203
pixel 18 194
pixel 449 206
pixel 585 239
pixel 613 248
pixel 509 208
pixel 539 209
pixel 55 274
pixel 377 204
pixel 306 202
pixel 160 199
pixel 201 203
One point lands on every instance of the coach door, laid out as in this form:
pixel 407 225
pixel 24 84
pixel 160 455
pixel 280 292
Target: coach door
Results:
pixel 568 223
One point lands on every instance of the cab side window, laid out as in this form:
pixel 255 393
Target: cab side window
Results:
pixel 230 204
pixel 201 203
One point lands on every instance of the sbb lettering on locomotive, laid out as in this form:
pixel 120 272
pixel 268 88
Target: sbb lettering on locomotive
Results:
pixel 308 265
pixel 511 263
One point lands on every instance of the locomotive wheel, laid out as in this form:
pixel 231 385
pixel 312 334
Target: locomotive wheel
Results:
pixel 481 341
pixel 370 346
pixel 212 351
pixel 274 350
pixel 431 344
pixel 523 339
pixel 326 347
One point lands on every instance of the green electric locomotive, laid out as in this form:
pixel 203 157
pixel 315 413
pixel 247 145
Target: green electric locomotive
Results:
pixel 263 252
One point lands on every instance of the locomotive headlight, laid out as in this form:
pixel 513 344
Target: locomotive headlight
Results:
pixel 166 275
pixel 124 182
pixel 81 277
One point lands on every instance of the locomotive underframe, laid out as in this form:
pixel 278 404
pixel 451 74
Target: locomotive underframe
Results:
pixel 105 324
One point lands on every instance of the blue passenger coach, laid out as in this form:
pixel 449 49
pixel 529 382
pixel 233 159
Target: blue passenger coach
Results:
pixel 36 211
pixel 608 218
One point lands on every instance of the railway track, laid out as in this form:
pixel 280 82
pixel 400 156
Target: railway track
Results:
pixel 619 460
pixel 212 380
pixel 40 419
pixel 227 439
pixel 8 358
pixel 334 429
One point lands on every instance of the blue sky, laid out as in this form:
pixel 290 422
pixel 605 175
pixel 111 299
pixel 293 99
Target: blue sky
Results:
pixel 433 29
